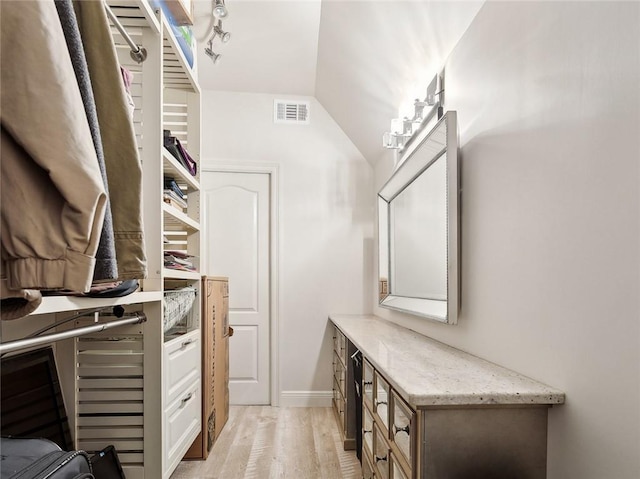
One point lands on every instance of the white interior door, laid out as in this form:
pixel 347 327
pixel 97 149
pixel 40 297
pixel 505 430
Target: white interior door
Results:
pixel 237 246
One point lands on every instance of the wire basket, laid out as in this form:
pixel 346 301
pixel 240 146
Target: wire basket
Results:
pixel 178 310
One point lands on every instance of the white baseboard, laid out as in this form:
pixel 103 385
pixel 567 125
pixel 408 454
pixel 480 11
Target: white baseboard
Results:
pixel 306 398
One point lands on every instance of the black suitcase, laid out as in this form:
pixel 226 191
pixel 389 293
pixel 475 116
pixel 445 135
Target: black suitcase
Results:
pixel 41 459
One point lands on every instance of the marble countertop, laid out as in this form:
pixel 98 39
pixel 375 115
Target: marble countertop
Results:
pixel 428 373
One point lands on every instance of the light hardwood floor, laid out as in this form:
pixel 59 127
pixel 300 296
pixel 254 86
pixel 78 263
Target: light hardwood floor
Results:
pixel 263 442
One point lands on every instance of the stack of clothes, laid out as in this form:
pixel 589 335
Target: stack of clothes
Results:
pixel 179 260
pixel 173 194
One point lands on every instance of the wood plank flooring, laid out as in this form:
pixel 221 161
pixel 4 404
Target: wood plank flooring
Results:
pixel 263 442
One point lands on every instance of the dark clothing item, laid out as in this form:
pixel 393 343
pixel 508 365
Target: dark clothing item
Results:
pixel 106 264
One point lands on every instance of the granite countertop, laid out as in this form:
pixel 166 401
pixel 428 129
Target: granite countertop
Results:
pixel 429 373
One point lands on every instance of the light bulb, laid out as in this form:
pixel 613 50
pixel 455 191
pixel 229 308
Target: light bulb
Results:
pixel 220 10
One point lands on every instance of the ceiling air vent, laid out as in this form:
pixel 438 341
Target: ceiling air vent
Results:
pixel 291 112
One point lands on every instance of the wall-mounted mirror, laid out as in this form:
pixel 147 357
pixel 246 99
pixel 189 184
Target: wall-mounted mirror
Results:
pixel 418 224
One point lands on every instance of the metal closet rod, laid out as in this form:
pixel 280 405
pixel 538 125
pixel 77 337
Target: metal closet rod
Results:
pixel 10 346
pixel 138 53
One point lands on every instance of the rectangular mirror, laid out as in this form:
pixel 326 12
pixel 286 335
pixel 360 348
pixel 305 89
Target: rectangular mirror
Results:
pixel 418 224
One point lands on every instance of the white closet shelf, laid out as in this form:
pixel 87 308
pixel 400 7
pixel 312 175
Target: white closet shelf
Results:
pixel 178 274
pixel 175 220
pixel 135 13
pixel 176 71
pixel 171 167
pixel 56 304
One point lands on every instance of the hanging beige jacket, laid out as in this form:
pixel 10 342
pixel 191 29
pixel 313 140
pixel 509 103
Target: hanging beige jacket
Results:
pixel 52 195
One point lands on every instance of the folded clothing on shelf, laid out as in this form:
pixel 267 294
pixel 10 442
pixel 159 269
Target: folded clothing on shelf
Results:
pixel 172 185
pixel 173 145
pixel 178 260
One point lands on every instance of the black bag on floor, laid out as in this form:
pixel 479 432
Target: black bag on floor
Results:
pixel 41 459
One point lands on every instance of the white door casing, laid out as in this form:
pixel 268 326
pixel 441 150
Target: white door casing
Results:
pixel 237 245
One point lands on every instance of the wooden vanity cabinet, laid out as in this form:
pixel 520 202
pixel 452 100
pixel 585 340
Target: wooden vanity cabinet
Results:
pixel 344 405
pixel 430 411
pixel 388 435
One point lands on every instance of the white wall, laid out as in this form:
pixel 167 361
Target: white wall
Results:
pixel 325 225
pixel 548 104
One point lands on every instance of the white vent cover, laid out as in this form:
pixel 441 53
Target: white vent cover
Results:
pixel 287 111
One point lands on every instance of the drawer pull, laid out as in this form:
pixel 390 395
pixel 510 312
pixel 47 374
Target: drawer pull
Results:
pixel 379 459
pixel 186 343
pixel 368 383
pixel 186 399
pixel 401 429
pixel 378 403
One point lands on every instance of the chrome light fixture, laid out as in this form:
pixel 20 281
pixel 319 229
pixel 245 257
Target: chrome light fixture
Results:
pixel 218 12
pixel 402 130
pixel 211 54
pixel 217 30
pixel 220 9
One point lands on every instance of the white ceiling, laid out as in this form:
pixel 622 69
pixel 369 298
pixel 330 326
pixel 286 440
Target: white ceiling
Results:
pixel 363 60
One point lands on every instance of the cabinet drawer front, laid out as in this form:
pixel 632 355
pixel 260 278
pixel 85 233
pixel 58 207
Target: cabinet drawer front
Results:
pixel 396 470
pixel 367 469
pixel 339 406
pixel 381 400
pixel 367 382
pixel 182 362
pixel 339 373
pixel 367 428
pixel 402 418
pixel 337 394
pixel 182 423
pixel 340 345
pixel 380 453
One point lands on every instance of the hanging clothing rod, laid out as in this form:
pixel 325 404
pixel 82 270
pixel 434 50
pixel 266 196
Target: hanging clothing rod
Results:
pixel 18 344
pixel 138 53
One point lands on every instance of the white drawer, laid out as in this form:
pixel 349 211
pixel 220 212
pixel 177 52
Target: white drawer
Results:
pixel 182 363
pixel 183 419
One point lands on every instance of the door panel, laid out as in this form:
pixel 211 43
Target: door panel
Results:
pixel 237 246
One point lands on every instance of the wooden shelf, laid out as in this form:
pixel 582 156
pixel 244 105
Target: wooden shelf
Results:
pixel 56 304
pixel 178 274
pixel 172 167
pixel 176 220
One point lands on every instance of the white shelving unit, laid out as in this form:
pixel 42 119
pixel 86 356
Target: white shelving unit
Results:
pixel 119 385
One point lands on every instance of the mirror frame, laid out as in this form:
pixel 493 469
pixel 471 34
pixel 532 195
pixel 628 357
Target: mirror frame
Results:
pixel 425 148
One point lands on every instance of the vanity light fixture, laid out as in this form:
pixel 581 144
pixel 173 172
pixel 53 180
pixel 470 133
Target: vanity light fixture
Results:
pixel 402 130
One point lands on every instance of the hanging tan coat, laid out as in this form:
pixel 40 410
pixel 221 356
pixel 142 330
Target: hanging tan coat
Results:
pixel 52 195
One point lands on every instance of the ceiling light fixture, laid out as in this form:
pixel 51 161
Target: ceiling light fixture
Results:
pixel 213 55
pixel 220 9
pixel 224 36
pixel 218 12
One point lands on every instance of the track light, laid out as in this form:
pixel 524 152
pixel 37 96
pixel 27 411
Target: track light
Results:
pixel 211 54
pixel 219 9
pixel 224 36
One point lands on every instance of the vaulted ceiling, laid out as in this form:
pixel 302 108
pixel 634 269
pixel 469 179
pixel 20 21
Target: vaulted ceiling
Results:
pixel 363 60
